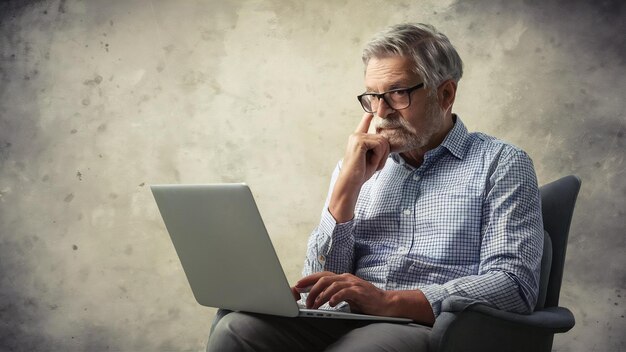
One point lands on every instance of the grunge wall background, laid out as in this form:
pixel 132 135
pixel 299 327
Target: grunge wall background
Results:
pixel 100 99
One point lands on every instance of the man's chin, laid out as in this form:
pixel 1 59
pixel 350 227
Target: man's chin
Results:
pixel 397 143
pixel 399 146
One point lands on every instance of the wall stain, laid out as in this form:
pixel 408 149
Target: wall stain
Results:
pixel 62 8
pixel 4 151
pixel 169 48
pixel 94 81
pixel 30 302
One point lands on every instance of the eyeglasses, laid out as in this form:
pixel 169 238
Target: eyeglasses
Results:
pixel 396 99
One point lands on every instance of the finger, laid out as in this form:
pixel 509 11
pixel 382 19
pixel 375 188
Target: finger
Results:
pixel 310 280
pixel 384 156
pixel 303 289
pixel 379 151
pixel 348 294
pixel 295 293
pixel 318 288
pixel 354 308
pixel 329 292
pixel 364 125
pixel 306 284
pixel 373 142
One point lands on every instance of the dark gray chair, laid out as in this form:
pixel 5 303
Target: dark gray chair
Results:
pixel 477 327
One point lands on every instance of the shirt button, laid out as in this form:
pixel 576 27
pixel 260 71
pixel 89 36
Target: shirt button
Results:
pixel 403 250
pixel 407 212
pixel 321 258
pixel 417 177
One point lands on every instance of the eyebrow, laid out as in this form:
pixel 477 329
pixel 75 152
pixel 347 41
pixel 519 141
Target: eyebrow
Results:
pixel 395 85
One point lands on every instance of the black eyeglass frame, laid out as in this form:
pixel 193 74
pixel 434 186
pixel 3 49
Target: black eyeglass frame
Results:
pixel 382 95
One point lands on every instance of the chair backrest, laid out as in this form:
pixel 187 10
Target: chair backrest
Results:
pixel 558 199
pixel 546 266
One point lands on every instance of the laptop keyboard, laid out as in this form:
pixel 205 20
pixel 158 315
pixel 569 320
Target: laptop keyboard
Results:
pixel 341 307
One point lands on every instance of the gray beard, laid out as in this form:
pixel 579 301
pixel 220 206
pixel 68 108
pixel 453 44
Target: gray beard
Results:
pixel 403 137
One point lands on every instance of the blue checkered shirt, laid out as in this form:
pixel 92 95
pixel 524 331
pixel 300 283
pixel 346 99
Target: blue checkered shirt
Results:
pixel 467 222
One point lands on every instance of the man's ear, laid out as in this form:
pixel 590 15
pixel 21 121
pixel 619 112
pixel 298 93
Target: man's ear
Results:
pixel 446 94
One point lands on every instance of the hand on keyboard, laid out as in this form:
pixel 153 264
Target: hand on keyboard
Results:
pixel 341 307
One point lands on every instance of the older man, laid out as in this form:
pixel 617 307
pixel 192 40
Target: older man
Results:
pixel 417 212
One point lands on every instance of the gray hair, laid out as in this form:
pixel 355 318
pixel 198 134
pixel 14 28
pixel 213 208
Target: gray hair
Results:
pixel 434 57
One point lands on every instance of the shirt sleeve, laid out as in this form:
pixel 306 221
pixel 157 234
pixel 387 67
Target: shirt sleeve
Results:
pixel 512 241
pixel 331 245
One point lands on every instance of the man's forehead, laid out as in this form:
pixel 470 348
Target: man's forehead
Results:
pixel 391 82
pixel 388 72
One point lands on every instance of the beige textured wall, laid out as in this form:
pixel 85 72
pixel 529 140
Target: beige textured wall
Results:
pixel 99 99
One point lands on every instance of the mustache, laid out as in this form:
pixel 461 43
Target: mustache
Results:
pixel 389 124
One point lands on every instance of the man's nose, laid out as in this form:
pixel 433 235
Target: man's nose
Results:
pixel 384 109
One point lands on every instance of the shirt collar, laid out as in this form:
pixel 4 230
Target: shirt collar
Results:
pixel 457 138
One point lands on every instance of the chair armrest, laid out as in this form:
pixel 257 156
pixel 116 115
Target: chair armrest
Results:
pixel 468 323
pixel 552 319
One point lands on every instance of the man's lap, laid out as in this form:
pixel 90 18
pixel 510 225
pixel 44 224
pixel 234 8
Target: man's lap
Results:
pixel 249 332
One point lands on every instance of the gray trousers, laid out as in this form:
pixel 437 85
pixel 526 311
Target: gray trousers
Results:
pixel 234 331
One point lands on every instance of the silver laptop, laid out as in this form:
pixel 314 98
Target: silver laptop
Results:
pixel 227 254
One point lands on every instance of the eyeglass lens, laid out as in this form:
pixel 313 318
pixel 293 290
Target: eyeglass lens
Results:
pixel 396 100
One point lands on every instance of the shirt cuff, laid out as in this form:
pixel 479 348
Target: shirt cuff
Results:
pixel 333 240
pixel 336 234
pixel 435 294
